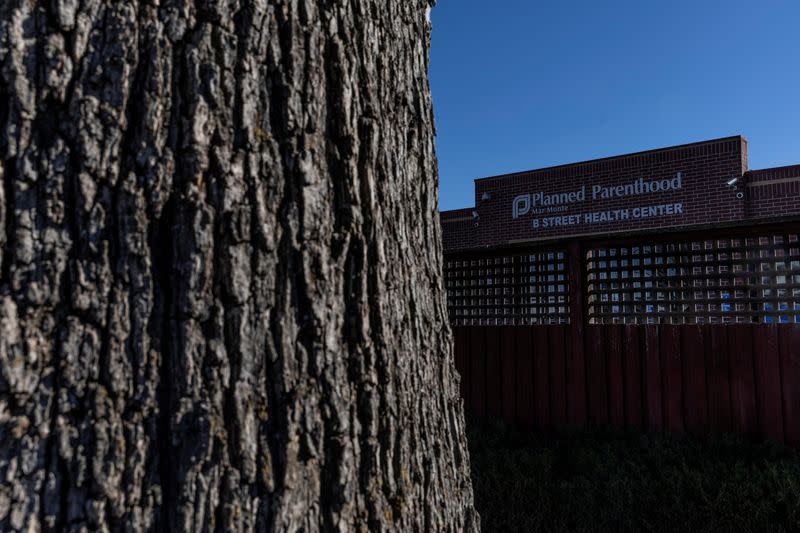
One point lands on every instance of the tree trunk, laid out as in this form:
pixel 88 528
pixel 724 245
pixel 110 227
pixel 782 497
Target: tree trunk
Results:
pixel 221 303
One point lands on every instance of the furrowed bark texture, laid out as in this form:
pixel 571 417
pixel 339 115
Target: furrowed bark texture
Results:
pixel 220 296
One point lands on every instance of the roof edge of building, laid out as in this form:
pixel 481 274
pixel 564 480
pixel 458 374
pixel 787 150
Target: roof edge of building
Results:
pixel 774 170
pixel 739 138
pixel 456 213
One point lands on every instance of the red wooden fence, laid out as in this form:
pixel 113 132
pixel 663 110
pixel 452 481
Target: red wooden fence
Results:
pixel 699 379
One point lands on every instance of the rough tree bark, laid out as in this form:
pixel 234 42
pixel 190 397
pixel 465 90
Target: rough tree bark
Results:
pixel 221 305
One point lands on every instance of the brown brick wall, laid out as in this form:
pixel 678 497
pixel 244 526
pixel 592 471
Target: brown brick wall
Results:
pixel 458 227
pixel 772 192
pixel 704 197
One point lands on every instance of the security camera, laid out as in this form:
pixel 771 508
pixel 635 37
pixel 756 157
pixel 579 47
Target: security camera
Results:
pixel 732 182
pixel 486 196
pixel 475 214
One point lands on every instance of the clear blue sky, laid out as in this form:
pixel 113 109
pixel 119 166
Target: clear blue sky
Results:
pixel 522 84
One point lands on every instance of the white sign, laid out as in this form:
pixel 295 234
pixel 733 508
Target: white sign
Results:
pixel 556 202
pixel 615 215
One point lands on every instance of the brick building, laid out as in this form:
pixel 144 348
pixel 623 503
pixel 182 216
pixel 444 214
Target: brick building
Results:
pixel 686 234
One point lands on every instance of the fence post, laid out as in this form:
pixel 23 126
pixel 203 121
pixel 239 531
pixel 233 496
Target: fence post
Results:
pixel 576 360
pixel 577 311
pixel 517 299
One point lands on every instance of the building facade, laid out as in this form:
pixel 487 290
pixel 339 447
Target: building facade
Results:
pixel 680 235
